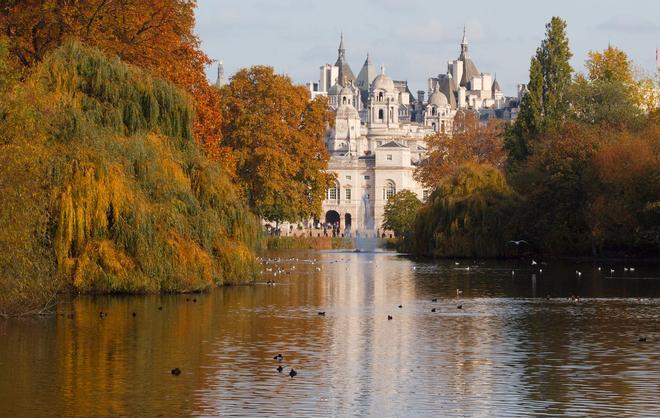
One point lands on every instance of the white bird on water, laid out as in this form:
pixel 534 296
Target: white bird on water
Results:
pixel 534 262
pixel 518 242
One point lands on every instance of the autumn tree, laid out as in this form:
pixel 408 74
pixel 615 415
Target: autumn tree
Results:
pixel 470 141
pixel 400 212
pixel 608 93
pixel 277 135
pixel 103 189
pixel 610 65
pixel 554 186
pixel 624 203
pixel 157 35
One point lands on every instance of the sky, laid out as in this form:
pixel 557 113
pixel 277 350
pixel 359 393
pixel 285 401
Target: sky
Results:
pixel 414 39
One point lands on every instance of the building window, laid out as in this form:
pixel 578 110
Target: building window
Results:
pixel 381 115
pixel 367 177
pixel 347 194
pixel 389 157
pixel 333 193
pixel 390 189
pixel 348 177
pixel 425 195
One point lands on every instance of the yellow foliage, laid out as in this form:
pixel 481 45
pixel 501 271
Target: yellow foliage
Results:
pixel 87 205
pixel 103 267
pixel 195 266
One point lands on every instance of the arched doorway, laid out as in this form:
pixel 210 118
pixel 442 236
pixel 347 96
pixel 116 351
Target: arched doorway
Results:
pixel 348 221
pixel 332 217
pixel 332 223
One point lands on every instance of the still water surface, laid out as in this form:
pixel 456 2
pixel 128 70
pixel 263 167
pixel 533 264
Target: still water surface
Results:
pixel 508 351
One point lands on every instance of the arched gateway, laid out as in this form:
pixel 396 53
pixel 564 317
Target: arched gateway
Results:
pixel 332 217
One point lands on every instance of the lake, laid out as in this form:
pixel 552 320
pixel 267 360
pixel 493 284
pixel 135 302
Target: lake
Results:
pixel 519 344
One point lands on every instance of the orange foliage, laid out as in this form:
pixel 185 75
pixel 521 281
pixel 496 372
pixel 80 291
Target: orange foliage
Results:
pixel 277 135
pixel 470 141
pixel 153 34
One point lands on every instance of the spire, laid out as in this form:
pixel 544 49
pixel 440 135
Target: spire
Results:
pixel 464 44
pixel 345 73
pixel 496 85
pixel 382 69
pixel 341 50
pixel 220 81
pixel 368 61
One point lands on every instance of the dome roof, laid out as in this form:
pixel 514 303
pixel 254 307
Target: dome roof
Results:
pixel 383 82
pixel 347 111
pixel 438 99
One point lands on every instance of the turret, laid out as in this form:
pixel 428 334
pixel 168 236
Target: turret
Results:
pixel 420 96
pixel 220 81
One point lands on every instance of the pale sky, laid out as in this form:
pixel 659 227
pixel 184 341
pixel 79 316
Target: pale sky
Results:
pixel 414 39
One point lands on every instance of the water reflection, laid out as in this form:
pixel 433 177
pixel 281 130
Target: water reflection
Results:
pixel 509 351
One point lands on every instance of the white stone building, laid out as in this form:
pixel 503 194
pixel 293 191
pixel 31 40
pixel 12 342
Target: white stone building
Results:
pixel 380 131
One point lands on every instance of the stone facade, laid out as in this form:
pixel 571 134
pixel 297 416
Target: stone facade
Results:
pixel 380 130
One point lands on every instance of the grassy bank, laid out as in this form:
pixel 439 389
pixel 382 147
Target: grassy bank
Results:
pixel 310 243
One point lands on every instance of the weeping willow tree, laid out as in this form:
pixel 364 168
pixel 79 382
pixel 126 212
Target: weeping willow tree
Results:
pixel 124 200
pixel 467 215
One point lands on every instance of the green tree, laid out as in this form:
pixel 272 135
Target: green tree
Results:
pixel 467 215
pixel 546 103
pixel 277 135
pixel 400 212
pixel 554 56
pixel 528 123
pixel 605 102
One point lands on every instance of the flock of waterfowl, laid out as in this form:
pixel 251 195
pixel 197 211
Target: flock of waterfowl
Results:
pixel 536 266
pixel 276 270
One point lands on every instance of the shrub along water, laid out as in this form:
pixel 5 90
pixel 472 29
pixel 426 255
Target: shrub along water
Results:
pixel 117 195
pixel 466 215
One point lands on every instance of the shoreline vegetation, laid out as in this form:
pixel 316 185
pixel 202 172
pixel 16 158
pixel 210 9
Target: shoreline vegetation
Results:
pixel 576 174
pixel 123 170
pixel 308 243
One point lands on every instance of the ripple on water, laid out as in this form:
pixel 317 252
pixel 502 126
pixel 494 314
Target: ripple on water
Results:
pixel 506 353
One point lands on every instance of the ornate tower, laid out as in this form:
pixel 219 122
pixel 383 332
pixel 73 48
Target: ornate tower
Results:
pixel 464 45
pixel 220 81
pixel 346 75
